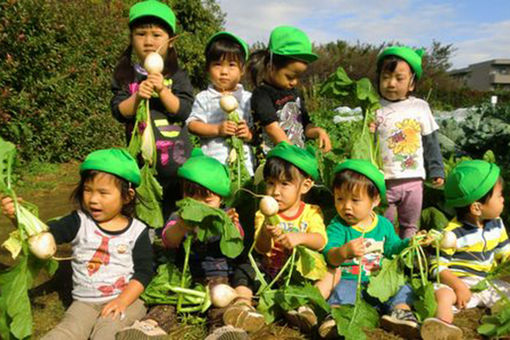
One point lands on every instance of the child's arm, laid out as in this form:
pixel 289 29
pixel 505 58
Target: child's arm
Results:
pixel 170 101
pixel 462 291
pixel 174 232
pixel 264 238
pixel 314 241
pixel 433 158
pixel 128 107
pixel 118 306
pixel 355 248
pixel 320 134
pixel 224 129
pixel 276 133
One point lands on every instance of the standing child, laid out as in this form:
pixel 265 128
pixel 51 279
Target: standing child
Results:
pixel 152 27
pixel 289 173
pixel 475 190
pixel 358 239
pixel 278 107
pixel 408 136
pixel 112 254
pixel 225 56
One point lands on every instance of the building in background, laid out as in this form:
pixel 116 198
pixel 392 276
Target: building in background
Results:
pixel 485 76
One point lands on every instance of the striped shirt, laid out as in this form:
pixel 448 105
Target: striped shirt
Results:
pixel 478 249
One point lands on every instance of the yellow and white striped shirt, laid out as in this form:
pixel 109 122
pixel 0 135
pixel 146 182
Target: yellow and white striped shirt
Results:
pixel 478 249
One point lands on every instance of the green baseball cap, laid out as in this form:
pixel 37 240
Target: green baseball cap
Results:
pixel 206 171
pixel 303 159
pixel 230 36
pixel 469 181
pixel 412 57
pixel 366 168
pixel 291 42
pixel 113 161
pixel 153 8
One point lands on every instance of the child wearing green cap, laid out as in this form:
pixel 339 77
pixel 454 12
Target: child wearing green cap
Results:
pixel 358 239
pixel 152 27
pixel 225 55
pixel 475 190
pixel 277 106
pixel 289 173
pixel 112 254
pixel 408 136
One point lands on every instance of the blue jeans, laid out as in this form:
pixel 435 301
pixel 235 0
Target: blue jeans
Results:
pixel 345 294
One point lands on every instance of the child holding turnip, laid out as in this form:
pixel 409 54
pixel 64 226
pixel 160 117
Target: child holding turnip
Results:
pixel 112 254
pixel 289 173
pixel 479 242
pixel 226 55
pixel 408 136
pixel 152 26
pixel 277 106
pixel 358 239
pixel 206 180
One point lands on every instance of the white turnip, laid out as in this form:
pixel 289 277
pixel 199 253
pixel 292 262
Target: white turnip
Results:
pixel 42 245
pixel 228 103
pixel 449 240
pixel 154 63
pixel 222 295
pixel 269 207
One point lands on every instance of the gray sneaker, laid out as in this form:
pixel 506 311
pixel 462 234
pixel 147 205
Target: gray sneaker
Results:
pixel 142 330
pixel 401 322
pixel 437 329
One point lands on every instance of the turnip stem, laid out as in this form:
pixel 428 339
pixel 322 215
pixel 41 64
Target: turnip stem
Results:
pixel 277 277
pixel 292 259
pixel 187 248
pixel 187 291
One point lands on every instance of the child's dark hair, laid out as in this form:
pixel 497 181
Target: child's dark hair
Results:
pixel 389 64
pixel 193 189
pixel 124 72
pixel 462 212
pixel 353 181
pixel 280 169
pixel 260 61
pixel 123 185
pixel 224 49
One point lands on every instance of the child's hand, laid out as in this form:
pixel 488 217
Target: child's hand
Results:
pixel 437 182
pixel 243 131
pixel 323 139
pixel 8 206
pixel 372 127
pixel 463 295
pixel 145 89
pixel 355 248
pixel 115 308
pixel 233 215
pixel 227 128
pixel 156 79
pixel 274 231
pixel 422 241
pixel 290 240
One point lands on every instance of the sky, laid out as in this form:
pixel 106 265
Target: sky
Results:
pixel 479 30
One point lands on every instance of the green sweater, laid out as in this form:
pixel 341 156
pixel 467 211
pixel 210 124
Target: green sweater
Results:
pixel 380 237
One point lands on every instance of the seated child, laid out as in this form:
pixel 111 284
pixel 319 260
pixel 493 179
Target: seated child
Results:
pixel 289 173
pixel 475 190
pixel 357 232
pixel 112 254
pixel 206 180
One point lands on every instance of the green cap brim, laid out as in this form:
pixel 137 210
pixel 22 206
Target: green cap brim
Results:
pixel 230 36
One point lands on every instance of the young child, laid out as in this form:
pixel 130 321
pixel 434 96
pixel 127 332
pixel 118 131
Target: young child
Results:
pixel 112 254
pixel 225 56
pixel 206 180
pixel 278 107
pixel 289 173
pixel 408 136
pixel 475 190
pixel 152 27
pixel 357 232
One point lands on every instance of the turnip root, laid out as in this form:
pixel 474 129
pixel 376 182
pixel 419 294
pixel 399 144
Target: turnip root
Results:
pixel 228 103
pixel 269 208
pixel 154 63
pixel 449 240
pixel 222 295
pixel 42 245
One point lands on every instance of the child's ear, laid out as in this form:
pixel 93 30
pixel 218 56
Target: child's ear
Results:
pixel 475 209
pixel 376 202
pixel 131 196
pixel 306 185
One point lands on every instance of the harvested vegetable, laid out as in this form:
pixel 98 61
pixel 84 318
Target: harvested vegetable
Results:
pixel 222 295
pixel 269 207
pixel 154 63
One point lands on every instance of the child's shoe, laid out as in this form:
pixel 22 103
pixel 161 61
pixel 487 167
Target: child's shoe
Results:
pixel 328 330
pixel 243 316
pixel 304 318
pixel 142 330
pixel 228 333
pixel 401 322
pixel 434 328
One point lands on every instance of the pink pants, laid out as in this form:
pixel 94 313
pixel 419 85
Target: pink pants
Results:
pixel 405 197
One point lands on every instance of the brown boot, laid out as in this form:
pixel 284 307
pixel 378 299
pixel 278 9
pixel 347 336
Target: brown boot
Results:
pixel 163 315
pixel 244 316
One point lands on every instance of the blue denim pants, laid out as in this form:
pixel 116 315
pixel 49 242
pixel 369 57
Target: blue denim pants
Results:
pixel 345 294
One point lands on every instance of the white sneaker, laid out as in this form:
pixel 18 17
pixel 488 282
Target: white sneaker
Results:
pixel 436 329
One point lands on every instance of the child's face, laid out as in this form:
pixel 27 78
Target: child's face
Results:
pixel 102 197
pixel 287 77
pixel 397 84
pixel 213 200
pixel 148 39
pixel 354 207
pixel 288 192
pixel 225 74
pixel 494 206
